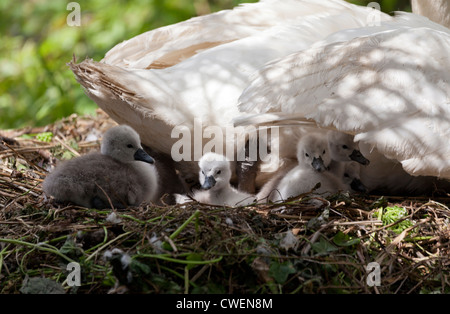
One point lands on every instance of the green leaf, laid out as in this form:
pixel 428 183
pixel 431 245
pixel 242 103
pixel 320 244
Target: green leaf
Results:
pixel 39 285
pixel 280 272
pixel 21 167
pixel 139 268
pixel 380 202
pixel 342 239
pixel 67 155
pixel 70 248
pixel 210 287
pixel 323 247
pixel 393 214
pixel 44 137
pixel 194 257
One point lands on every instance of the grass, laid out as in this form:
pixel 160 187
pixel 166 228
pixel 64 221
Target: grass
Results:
pixel 287 248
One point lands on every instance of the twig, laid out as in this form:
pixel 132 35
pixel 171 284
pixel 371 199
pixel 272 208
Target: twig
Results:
pixel 67 147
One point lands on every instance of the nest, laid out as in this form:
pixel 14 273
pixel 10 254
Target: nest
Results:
pixel 339 244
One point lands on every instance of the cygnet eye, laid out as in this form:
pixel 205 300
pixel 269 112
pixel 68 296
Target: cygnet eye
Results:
pixel 130 146
pixel 219 172
pixel 344 146
pixel 346 175
pixel 324 152
pixel 306 154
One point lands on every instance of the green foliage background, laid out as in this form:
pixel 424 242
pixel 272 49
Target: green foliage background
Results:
pixel 37 87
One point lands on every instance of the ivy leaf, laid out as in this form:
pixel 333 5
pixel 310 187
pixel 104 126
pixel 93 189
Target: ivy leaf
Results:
pixel 41 285
pixel 70 248
pixel 280 272
pixel 139 268
pixel 323 247
pixel 342 239
pixel 194 257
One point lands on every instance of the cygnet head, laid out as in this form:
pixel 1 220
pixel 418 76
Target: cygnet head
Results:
pixel 123 144
pixel 215 171
pixel 352 177
pixel 312 150
pixel 343 148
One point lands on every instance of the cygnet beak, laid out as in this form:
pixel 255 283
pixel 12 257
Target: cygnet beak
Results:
pixel 358 157
pixel 318 165
pixel 209 183
pixel 358 186
pixel 141 155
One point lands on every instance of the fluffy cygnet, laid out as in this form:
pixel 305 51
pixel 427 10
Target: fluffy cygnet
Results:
pixel 351 177
pixel 343 170
pixel 346 160
pixel 121 175
pixel 215 175
pixel 313 160
pixel 343 149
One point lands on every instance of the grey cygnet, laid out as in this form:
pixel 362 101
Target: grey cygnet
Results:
pixel 121 175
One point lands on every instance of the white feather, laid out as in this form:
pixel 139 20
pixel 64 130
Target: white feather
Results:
pixel 162 79
pixel 390 88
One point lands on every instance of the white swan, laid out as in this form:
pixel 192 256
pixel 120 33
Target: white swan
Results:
pixel 197 69
pixel 121 175
pixel 437 11
pixel 174 74
pixel 215 175
pixel 387 85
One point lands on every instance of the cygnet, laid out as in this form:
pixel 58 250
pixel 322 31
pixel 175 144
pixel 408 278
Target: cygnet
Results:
pixel 121 175
pixel 215 175
pixel 351 177
pixel 343 149
pixel 346 160
pixel 313 160
pixel 344 166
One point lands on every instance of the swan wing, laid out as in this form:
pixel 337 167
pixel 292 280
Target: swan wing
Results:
pixel 169 45
pixel 390 88
pixel 206 85
pixel 172 76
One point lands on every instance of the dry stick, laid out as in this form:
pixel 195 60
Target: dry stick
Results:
pixel 200 272
pixel 7 180
pixel 108 243
pixel 361 222
pixel 67 147
pixel 396 241
pixel 314 238
pixel 7 194
pixel 26 190
pixel 8 153
pixel 28 161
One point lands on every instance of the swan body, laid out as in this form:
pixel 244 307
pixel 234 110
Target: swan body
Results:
pixel 121 175
pixel 326 64
pixel 387 176
pixel 197 69
pixel 389 86
pixel 437 11
pixel 215 175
